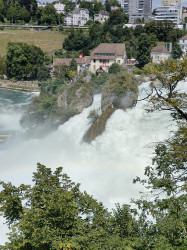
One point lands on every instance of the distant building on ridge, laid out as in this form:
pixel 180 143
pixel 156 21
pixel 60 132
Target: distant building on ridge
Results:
pixel 79 17
pixel 170 10
pixel 138 9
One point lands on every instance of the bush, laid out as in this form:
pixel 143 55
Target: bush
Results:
pixel 94 114
pixel 114 68
pixel 138 71
pixel 61 28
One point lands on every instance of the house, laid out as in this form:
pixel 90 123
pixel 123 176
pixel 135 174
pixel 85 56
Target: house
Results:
pixel 41 4
pixel 104 55
pixel 82 63
pixel 101 58
pixel 101 17
pixel 160 53
pixel 183 44
pixel 79 17
pixel 59 8
pixel 68 20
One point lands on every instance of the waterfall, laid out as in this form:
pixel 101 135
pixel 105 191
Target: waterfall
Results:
pixel 105 168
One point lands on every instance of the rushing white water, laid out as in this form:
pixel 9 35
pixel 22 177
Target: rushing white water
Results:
pixel 106 167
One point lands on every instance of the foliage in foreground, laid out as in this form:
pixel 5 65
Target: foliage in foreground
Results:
pixel 56 214
pixel 166 179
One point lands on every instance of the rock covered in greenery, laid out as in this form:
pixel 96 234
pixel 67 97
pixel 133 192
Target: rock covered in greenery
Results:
pixel 98 126
pixel 77 96
pixel 120 91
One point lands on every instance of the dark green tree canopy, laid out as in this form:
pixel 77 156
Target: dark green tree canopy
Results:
pixel 176 51
pixel 23 60
pixel 144 49
pixel 114 68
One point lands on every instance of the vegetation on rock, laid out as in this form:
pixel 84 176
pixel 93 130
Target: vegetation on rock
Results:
pixel 98 125
pixel 120 91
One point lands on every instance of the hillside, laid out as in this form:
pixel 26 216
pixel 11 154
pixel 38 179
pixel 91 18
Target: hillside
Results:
pixel 47 40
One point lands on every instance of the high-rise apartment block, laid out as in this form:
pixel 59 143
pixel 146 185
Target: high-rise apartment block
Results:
pixel 170 10
pixel 137 9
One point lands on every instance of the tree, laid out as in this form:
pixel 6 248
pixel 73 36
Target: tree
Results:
pixel 160 28
pixel 43 73
pixel 60 71
pixel 49 14
pixel 2 10
pixel 23 60
pixel 3 66
pixel 169 73
pixel 153 40
pixel 24 14
pixel 114 68
pixel 54 214
pixel 118 17
pixel 73 65
pixel 76 40
pixel 143 50
pixel 12 14
pixel 107 6
pixel 176 51
pixel 165 179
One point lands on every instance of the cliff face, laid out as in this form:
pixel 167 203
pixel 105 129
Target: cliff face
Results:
pixel 98 126
pixel 77 96
pixel 120 91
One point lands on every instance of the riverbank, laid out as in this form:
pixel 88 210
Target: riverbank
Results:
pixel 21 86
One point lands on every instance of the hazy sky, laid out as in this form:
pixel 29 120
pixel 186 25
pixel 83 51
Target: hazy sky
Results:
pixel 156 3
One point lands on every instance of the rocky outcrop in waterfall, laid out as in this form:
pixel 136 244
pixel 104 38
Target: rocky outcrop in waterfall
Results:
pixel 77 96
pixel 98 125
pixel 119 92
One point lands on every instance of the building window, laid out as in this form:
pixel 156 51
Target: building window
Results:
pixel 118 61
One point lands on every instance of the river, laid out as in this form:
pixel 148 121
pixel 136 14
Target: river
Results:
pixel 105 168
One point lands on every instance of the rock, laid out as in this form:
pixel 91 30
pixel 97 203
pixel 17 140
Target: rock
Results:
pixel 62 100
pixel 120 92
pixel 77 96
pixel 98 126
